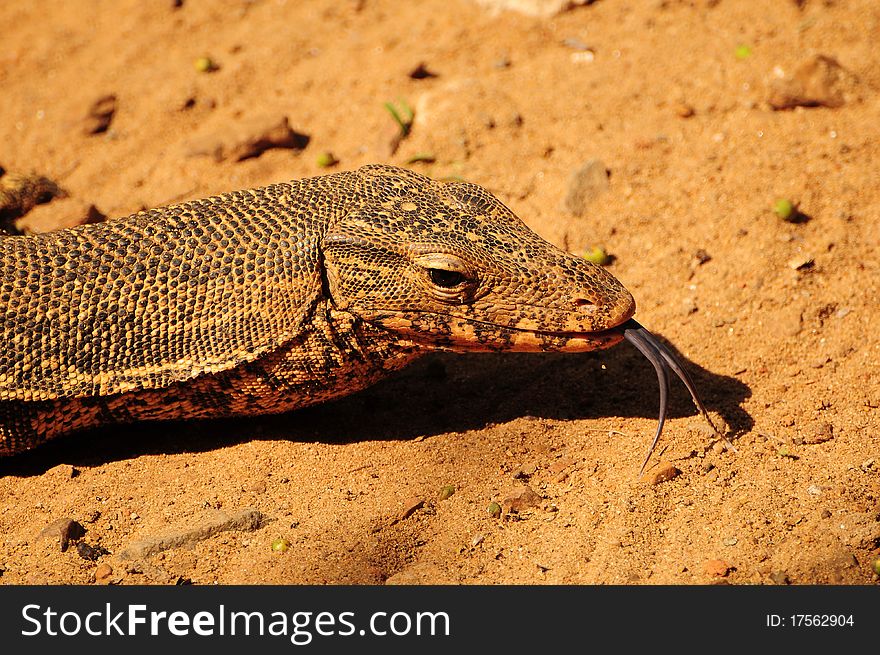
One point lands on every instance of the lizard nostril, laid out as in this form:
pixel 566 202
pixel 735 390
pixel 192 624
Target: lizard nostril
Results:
pixel 583 302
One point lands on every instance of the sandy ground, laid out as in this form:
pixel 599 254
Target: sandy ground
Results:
pixel 775 325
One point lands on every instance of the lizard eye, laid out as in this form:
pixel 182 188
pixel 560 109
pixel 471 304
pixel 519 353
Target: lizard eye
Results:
pixel 444 278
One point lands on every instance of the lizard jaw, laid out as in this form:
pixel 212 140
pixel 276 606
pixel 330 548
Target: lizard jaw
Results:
pixel 444 332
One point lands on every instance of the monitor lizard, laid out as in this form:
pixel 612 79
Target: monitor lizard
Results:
pixel 271 299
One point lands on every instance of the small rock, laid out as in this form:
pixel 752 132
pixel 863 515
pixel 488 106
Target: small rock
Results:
pixel 665 472
pixel 193 531
pixel 521 499
pixel 791 321
pixel 814 490
pixel 421 72
pixel 247 138
pixel 65 530
pixel 447 492
pixel 821 433
pixel 716 568
pixel 817 82
pixel 90 553
pixel 826 514
pixel 585 185
pixel 410 506
pixel 92 516
pixel 684 110
pixel 61 214
pixel 100 115
pixel 258 487
pixel 494 510
pixel 730 541
pixel 477 540
pixel 780 577
pixel 526 471
pixel 701 257
pixel 801 262
pixel 561 464
pixel 103 573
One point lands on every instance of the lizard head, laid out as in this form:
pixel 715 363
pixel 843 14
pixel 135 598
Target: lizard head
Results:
pixel 449 266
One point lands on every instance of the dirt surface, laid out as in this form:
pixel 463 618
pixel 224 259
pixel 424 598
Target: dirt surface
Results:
pixel 776 319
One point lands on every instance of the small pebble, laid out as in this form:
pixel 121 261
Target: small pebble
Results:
pixel 780 577
pixel 716 567
pixel 477 540
pixel 65 530
pixel 821 433
pixel 684 110
pixel 103 573
pixel 90 553
pixel 561 464
pixel 447 492
pixel 421 72
pixel 100 115
pixel 585 185
pixel 817 81
pixel 665 472
pixel 521 499
pixel 410 506
pixel 730 541
pixel 801 263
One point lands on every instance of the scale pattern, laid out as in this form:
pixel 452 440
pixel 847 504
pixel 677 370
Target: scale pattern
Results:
pixel 265 300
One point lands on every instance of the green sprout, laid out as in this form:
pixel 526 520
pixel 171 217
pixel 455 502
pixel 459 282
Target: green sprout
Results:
pixel 403 116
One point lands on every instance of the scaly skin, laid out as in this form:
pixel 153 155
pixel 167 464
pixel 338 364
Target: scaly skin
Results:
pixel 266 300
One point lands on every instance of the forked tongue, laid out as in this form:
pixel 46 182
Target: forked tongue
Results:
pixel 663 360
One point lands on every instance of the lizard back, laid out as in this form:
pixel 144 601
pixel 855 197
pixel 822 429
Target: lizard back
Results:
pixel 164 295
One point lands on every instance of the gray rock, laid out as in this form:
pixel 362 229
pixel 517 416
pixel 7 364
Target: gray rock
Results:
pixel 194 531
pixel 585 185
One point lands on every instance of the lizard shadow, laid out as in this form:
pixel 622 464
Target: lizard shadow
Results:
pixel 442 392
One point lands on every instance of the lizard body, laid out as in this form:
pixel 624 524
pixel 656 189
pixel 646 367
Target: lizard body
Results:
pixel 266 300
